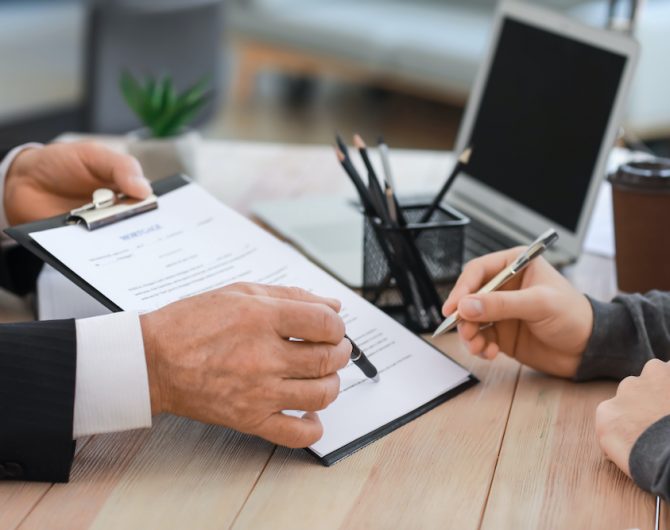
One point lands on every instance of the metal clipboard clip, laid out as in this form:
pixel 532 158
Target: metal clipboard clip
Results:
pixel 108 207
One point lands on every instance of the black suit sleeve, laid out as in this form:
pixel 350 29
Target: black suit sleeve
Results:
pixel 18 269
pixel 37 384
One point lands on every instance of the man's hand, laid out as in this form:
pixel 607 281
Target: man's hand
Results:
pixel 639 402
pixel 225 357
pixel 59 177
pixel 539 317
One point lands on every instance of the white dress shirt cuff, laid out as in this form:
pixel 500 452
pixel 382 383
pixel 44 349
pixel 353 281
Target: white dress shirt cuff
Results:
pixel 4 168
pixel 112 385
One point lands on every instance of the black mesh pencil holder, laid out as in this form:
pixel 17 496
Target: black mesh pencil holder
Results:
pixel 440 243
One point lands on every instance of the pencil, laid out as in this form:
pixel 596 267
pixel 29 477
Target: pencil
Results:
pixel 363 193
pixel 389 180
pixel 373 181
pixel 417 274
pixel 390 204
pixel 386 162
pixel 377 202
pixel 401 253
pixel 462 161
pixel 389 249
pixel 340 143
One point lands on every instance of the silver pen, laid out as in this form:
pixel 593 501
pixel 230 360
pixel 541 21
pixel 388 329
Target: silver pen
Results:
pixel 657 524
pixel 535 249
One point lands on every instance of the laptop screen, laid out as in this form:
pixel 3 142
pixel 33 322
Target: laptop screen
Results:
pixel 542 119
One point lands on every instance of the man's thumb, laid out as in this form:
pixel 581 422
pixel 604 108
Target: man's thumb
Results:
pixel 131 180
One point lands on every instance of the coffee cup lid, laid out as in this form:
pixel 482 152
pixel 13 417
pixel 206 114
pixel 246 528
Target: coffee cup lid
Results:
pixel 653 174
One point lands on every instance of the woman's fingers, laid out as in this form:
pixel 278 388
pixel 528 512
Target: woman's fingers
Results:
pixel 491 351
pixel 476 273
pixel 468 330
pixel 478 341
pixel 526 304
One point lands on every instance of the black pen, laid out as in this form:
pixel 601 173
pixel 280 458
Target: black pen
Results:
pixel 360 360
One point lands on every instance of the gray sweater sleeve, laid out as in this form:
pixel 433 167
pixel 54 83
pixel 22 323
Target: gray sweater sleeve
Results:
pixel 627 333
pixel 649 459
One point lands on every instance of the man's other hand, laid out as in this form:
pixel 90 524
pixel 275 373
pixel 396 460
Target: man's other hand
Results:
pixel 48 181
pixel 639 402
pixel 226 357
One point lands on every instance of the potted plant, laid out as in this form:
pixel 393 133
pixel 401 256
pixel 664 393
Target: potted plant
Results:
pixel 166 145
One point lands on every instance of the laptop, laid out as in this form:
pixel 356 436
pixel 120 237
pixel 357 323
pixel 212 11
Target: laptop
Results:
pixel 542 118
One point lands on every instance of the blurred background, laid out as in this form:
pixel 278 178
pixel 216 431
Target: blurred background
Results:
pixel 284 70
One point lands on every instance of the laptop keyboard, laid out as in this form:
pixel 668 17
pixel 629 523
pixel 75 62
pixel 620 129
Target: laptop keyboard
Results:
pixel 481 239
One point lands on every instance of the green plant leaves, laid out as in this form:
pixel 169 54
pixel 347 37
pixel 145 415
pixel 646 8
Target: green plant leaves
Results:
pixel 158 105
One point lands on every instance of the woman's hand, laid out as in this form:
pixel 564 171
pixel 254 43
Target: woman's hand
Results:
pixel 47 181
pixel 538 317
pixel 639 402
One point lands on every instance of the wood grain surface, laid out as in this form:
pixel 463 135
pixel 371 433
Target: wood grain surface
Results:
pixel 551 472
pixel 179 474
pixel 516 451
pixel 432 473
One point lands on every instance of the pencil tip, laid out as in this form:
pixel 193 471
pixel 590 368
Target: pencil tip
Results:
pixel 465 156
pixel 358 141
pixel 340 154
pixel 340 141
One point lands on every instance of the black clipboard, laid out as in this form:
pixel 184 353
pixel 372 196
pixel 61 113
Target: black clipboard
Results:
pixel 21 234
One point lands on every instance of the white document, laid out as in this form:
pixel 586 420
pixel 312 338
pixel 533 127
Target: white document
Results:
pixel 600 234
pixel 192 243
pixel 58 297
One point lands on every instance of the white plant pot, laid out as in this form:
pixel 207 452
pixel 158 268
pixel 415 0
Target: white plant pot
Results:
pixel 163 157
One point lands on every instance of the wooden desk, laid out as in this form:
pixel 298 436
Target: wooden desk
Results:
pixel 516 451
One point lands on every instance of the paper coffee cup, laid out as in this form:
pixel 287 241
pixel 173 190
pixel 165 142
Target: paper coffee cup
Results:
pixel 641 199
